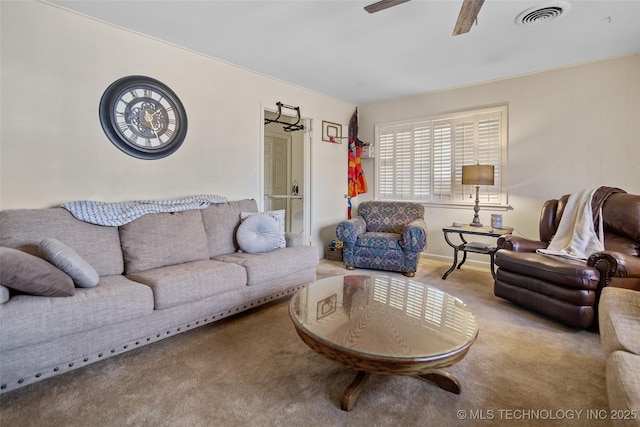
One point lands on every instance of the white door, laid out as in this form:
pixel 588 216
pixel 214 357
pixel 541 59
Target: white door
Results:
pixel 287 162
pixel 276 172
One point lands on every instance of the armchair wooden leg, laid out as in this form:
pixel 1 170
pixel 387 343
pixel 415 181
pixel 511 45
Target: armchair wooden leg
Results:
pixel 410 273
pixel 349 267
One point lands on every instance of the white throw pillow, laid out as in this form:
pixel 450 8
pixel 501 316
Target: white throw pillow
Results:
pixel 258 234
pixel 278 216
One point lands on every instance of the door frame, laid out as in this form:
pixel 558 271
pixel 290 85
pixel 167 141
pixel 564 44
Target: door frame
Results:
pixel 306 187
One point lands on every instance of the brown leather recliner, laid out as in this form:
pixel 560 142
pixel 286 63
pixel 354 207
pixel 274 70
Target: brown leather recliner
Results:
pixel 564 289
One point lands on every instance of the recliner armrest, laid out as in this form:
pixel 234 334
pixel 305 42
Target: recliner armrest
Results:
pixel 414 236
pixel 519 244
pixel 615 264
pixel 349 229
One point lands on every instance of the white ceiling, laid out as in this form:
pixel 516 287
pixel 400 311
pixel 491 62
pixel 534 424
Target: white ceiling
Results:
pixel 337 48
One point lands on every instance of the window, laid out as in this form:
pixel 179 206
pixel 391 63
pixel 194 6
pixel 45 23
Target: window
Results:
pixel 421 160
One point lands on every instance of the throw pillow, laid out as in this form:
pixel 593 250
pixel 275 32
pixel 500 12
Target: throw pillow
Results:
pixel 4 294
pixel 32 275
pixel 258 234
pixel 67 260
pixel 278 216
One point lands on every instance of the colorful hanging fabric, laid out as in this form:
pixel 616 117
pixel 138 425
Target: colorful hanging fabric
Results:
pixel 357 180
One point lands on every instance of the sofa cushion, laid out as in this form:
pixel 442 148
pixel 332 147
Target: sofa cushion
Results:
pixel 619 320
pixel 67 260
pixel 262 268
pixel 158 240
pixel 4 294
pixel 221 222
pixel 258 234
pixel 28 320
pixel 24 229
pixel 623 386
pixel 192 281
pixel 278 216
pixel 33 275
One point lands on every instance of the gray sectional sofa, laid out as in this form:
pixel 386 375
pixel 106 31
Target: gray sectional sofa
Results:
pixel 159 275
pixel 619 323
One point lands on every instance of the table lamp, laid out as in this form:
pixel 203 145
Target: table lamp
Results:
pixel 477 175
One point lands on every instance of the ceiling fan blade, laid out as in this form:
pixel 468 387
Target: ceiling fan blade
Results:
pixel 383 4
pixel 468 14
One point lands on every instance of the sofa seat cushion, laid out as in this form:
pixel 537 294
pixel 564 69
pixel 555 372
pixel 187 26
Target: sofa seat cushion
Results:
pixel 619 320
pixel 192 281
pixel 27 319
pixel 265 267
pixel 379 240
pixel 158 240
pixel 623 385
pixel 560 271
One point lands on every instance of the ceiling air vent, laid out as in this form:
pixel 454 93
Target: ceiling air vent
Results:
pixel 542 14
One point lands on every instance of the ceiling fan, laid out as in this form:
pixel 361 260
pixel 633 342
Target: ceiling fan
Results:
pixel 468 12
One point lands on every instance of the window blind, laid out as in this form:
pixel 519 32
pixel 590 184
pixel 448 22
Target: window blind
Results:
pixel 422 160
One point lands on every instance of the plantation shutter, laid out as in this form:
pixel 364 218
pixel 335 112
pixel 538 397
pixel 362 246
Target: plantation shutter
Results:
pixel 422 160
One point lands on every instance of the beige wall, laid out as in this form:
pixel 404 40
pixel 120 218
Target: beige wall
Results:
pixel 571 128
pixel 56 65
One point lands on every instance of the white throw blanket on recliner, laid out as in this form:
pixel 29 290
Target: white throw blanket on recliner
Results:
pixel 576 237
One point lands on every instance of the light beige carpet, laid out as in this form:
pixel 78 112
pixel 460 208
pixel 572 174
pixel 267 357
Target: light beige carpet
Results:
pixel 253 370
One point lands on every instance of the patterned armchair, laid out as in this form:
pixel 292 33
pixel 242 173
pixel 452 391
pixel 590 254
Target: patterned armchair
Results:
pixel 384 236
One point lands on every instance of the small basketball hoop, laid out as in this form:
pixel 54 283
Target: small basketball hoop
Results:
pixel 337 139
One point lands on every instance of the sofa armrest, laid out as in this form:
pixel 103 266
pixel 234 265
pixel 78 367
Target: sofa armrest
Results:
pixel 519 244
pixel 612 264
pixel 414 236
pixel 349 229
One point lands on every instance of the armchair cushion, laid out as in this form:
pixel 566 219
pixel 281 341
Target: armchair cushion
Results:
pixel 382 241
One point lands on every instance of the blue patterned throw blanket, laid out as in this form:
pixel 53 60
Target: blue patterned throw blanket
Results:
pixel 115 214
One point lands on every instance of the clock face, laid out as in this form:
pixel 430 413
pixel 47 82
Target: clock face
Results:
pixel 143 117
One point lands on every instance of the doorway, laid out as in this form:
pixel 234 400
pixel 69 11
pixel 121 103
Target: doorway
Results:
pixel 286 171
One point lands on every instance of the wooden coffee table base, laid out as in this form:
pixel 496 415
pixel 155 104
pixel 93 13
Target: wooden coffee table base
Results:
pixel 425 370
pixel 442 379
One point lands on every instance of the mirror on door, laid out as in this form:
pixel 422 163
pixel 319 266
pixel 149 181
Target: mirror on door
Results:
pixel 284 175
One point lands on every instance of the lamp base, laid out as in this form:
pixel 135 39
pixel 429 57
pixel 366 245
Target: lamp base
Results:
pixel 476 209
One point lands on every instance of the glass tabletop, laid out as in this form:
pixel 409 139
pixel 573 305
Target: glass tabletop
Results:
pixel 382 316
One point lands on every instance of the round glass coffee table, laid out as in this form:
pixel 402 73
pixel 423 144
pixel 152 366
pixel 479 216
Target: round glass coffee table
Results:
pixel 384 325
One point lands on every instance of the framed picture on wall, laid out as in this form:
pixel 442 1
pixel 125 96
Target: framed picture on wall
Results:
pixel 331 132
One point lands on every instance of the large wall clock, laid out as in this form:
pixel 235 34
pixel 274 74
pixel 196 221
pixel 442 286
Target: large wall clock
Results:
pixel 143 117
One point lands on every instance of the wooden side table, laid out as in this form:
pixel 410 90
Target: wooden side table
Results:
pixel 470 247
